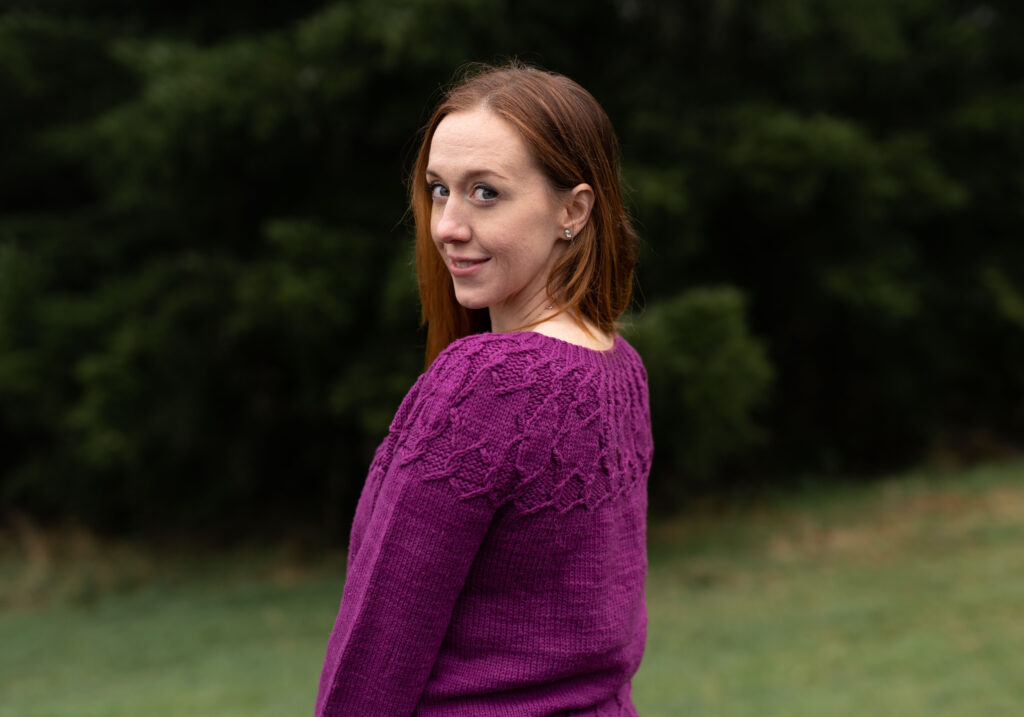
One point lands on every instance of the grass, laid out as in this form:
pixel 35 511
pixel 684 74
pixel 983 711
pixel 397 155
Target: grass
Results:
pixel 904 598
pixel 213 642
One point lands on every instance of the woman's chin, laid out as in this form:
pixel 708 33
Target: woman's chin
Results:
pixel 471 302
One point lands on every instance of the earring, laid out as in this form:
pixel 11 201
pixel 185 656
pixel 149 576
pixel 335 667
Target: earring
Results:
pixel 568 234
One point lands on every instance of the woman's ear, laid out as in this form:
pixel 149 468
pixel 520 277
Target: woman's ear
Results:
pixel 579 202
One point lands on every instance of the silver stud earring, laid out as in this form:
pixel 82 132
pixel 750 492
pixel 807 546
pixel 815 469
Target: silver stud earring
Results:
pixel 568 234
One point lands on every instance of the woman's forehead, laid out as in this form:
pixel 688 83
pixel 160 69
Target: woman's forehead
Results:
pixel 478 141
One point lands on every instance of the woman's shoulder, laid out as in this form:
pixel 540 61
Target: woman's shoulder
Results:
pixel 488 361
pixel 484 348
pixel 460 418
pixel 463 374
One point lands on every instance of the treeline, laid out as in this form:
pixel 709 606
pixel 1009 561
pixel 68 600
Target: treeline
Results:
pixel 207 302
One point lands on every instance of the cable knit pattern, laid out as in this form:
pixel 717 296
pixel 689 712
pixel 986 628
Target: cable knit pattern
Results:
pixel 497 558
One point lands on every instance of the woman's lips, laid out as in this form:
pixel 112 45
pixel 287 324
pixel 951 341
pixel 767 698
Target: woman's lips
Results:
pixel 464 267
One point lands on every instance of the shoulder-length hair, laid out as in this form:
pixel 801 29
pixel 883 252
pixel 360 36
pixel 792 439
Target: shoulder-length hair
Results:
pixel 572 138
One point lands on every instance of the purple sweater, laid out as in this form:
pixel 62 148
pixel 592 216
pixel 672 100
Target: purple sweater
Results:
pixel 497 558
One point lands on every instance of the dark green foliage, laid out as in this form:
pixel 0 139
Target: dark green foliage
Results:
pixel 207 301
pixel 707 375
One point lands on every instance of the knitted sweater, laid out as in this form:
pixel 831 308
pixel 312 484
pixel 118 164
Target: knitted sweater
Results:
pixel 497 557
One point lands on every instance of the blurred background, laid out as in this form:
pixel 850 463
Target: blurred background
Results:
pixel 208 316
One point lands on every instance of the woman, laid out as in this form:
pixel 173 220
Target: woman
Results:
pixel 497 557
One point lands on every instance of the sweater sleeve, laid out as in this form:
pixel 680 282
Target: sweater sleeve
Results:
pixel 421 534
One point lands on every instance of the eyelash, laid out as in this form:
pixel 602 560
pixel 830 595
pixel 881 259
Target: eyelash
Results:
pixel 485 188
pixel 433 187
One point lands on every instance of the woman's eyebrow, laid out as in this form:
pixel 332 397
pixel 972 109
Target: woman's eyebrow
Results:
pixel 469 174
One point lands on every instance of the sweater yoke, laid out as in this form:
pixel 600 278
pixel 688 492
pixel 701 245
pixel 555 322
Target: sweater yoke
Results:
pixel 527 419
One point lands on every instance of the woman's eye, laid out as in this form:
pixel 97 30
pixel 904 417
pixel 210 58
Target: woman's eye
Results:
pixel 438 191
pixel 484 193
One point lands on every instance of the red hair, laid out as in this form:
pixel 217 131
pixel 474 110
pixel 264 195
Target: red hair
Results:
pixel 573 140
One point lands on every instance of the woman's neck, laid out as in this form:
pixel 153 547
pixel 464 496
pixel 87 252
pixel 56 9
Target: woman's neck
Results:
pixel 570 327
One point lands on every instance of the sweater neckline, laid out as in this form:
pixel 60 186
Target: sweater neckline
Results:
pixel 567 348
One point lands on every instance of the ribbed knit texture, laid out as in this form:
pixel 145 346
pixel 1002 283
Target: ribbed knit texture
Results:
pixel 497 558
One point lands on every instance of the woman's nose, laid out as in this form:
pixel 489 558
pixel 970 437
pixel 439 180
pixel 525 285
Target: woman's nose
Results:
pixel 451 224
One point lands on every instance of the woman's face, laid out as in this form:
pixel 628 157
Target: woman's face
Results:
pixel 496 220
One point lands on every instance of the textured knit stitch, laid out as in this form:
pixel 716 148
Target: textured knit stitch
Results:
pixel 497 557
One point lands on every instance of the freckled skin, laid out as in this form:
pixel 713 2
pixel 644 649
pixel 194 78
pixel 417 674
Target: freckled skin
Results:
pixel 493 206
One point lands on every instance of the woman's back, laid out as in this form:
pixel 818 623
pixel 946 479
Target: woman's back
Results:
pixel 497 559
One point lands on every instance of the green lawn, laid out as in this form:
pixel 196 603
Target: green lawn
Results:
pixel 906 598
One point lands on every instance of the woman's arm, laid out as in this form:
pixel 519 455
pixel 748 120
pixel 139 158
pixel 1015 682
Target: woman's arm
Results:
pixel 399 594
pixel 418 536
